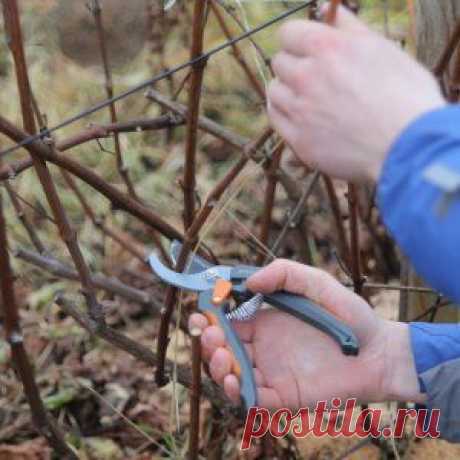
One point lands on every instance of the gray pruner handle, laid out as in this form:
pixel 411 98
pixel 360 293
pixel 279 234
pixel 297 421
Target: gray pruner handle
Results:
pixel 307 311
pixel 244 371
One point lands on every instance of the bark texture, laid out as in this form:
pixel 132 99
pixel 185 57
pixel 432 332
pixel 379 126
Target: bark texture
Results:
pixel 435 22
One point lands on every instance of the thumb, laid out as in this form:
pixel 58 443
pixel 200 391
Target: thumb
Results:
pixel 345 20
pixel 313 283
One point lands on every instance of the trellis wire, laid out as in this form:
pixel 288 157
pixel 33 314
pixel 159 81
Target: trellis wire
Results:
pixel 149 82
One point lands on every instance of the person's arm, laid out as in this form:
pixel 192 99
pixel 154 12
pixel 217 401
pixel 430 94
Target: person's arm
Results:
pixel 419 198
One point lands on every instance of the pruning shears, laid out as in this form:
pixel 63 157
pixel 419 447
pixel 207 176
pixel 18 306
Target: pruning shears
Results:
pixel 218 285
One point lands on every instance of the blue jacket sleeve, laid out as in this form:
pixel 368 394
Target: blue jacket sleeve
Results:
pixel 419 198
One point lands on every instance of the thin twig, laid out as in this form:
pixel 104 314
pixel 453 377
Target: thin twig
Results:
pixel 404 296
pixel 359 445
pixel 204 123
pixel 446 56
pixel 355 252
pixel 99 223
pixel 265 59
pixel 118 199
pixel 139 351
pixel 122 169
pixel 22 216
pixel 432 311
pixel 331 13
pixel 195 394
pixel 194 97
pixel 294 215
pixel 99 131
pixel 43 422
pixel 95 132
pixel 393 287
pixel 100 281
pixel 258 88
pixel 40 211
pixel 68 234
pixel 269 200
pixel 344 248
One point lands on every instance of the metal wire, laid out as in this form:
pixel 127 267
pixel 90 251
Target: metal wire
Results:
pixel 145 84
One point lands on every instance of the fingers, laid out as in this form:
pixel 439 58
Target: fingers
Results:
pixel 291 73
pixel 221 359
pixel 244 329
pixel 221 364
pixel 281 122
pixel 232 388
pixel 302 38
pixel 280 95
pixel 290 276
pixel 212 338
pixel 267 397
pixel 310 282
pixel 198 320
pixel 307 38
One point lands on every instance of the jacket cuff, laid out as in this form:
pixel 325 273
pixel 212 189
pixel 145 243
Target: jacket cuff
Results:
pixel 436 350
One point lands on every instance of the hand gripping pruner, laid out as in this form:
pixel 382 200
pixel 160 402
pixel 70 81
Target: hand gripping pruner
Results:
pixel 217 285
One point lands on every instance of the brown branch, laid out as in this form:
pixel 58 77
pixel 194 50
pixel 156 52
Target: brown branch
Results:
pixel 99 281
pixel 269 201
pixel 266 60
pixel 331 13
pixel 194 97
pixel 43 422
pixel 28 226
pixel 392 287
pixel 139 351
pixel 39 211
pixel 122 169
pixel 195 395
pixel 99 223
pixel 344 249
pixel 118 199
pixel 192 232
pixel 296 215
pixel 206 124
pixel 258 88
pixel 96 132
pixel 99 131
pixel 355 253
pixel 444 60
pixel 68 235
pixel 404 296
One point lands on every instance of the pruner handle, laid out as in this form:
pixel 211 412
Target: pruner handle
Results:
pixel 305 310
pixel 242 366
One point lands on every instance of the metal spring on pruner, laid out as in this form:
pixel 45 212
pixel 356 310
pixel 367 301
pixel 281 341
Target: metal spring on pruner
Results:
pixel 246 310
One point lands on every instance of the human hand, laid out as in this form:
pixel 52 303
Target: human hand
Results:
pixel 295 365
pixel 343 94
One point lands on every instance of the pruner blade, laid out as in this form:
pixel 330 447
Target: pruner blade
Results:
pixel 197 282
